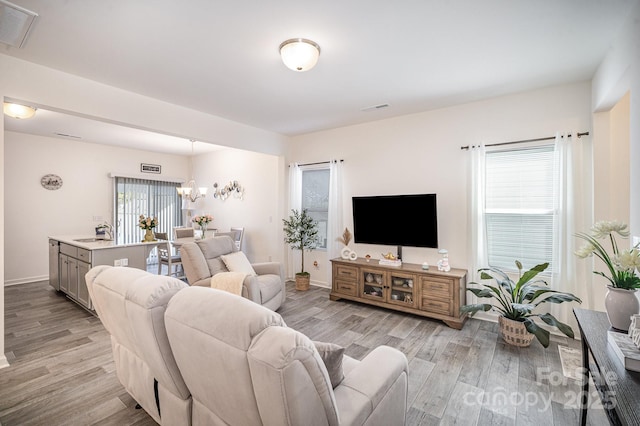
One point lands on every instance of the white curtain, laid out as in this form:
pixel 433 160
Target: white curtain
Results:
pixel 477 222
pixel 335 224
pixel 573 189
pixel 295 203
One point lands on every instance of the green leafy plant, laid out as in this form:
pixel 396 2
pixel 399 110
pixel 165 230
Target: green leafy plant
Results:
pixel 622 264
pixel 301 232
pixel 517 300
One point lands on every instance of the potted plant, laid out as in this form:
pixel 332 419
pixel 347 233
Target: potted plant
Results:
pixel 516 303
pixel 301 232
pixel 620 301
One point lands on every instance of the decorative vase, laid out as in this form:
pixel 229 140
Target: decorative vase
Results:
pixel 621 304
pixel 203 228
pixel 148 236
pixel 514 332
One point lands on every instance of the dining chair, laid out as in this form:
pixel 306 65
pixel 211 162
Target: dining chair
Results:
pixel 239 234
pixel 166 256
pixel 183 232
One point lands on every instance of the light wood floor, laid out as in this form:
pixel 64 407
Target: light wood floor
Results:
pixel 62 372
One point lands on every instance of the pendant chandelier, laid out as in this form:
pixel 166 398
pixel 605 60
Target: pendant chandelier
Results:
pixel 191 192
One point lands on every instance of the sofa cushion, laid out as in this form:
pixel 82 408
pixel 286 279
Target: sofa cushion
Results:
pixel 238 262
pixel 270 286
pixel 332 355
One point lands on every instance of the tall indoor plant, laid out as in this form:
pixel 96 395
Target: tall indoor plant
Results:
pixel 301 232
pixel 516 303
pixel 620 301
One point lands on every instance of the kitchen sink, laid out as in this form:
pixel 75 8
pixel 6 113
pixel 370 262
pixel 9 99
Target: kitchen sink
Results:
pixel 91 240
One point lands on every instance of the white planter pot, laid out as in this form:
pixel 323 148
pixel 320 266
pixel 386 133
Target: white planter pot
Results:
pixel 621 304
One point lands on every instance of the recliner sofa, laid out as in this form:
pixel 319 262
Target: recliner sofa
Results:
pixel 244 366
pixel 201 260
pixel 201 356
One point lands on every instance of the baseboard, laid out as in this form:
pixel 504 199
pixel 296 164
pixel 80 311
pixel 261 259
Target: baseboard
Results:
pixel 26 280
pixel 3 362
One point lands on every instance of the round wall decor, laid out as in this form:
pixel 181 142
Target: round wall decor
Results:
pixel 51 182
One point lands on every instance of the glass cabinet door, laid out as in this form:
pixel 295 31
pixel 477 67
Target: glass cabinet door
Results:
pixel 401 289
pixel 373 283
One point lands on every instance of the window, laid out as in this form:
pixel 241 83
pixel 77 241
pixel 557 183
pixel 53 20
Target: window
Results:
pixel 150 198
pixel 315 199
pixel 519 206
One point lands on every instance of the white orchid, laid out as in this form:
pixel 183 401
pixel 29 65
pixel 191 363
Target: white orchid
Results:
pixel 604 228
pixel 622 264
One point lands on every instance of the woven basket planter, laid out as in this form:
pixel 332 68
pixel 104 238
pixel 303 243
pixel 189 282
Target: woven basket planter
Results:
pixel 514 332
pixel 302 282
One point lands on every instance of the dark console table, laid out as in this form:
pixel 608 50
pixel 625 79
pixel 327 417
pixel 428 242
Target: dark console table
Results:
pixel 619 389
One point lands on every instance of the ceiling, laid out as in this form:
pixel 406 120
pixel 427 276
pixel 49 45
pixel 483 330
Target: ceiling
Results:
pixel 222 58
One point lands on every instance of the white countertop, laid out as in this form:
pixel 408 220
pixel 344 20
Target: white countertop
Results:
pixel 98 244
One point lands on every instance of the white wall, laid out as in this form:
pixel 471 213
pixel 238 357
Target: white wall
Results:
pixel 32 213
pixel 54 89
pixel 421 153
pixel 618 74
pixel 259 212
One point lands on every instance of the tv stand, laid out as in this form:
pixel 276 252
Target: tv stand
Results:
pixel 407 288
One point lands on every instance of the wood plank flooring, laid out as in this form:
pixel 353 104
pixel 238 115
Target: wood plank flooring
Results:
pixel 62 373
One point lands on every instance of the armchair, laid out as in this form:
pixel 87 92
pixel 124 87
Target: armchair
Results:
pixel 202 259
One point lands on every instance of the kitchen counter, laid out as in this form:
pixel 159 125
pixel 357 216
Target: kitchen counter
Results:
pixel 70 260
pixel 97 244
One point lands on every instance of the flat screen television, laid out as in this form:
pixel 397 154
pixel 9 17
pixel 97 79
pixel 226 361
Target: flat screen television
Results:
pixel 398 220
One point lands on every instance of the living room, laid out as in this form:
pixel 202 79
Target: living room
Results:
pixel 417 152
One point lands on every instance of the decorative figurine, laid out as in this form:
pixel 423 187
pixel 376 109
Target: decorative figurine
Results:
pixel 368 257
pixel 443 264
pixel 425 266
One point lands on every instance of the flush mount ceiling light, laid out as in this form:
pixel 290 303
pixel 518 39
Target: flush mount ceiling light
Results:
pixel 18 111
pixel 299 54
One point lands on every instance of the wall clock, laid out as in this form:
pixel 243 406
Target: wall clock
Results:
pixel 51 182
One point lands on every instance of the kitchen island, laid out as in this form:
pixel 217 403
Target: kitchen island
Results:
pixel 71 257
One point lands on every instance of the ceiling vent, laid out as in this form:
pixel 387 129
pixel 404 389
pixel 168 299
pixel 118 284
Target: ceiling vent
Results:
pixel 375 107
pixel 15 24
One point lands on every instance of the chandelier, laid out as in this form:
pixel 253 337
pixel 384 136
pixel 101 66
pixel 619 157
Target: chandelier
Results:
pixel 191 192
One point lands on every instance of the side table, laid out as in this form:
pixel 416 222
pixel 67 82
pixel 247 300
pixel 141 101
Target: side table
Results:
pixel 618 388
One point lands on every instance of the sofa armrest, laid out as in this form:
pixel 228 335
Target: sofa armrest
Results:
pixel 377 386
pixel 251 289
pixel 264 268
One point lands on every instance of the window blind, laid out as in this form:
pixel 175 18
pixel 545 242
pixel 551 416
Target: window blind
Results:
pixel 519 206
pixel 134 197
pixel 315 199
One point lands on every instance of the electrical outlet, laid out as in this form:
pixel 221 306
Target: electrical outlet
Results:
pixel 117 262
pixel 125 262
pixel 98 219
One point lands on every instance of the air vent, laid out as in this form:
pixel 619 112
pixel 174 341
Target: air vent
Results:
pixel 64 135
pixel 15 24
pixel 375 107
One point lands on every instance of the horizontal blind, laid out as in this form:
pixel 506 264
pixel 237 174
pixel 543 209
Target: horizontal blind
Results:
pixel 519 206
pixel 315 199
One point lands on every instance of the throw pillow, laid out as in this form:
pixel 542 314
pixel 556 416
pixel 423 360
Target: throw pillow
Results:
pixel 238 262
pixel 331 354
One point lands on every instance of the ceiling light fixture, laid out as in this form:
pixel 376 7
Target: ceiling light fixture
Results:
pixel 191 192
pixel 299 54
pixel 18 111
